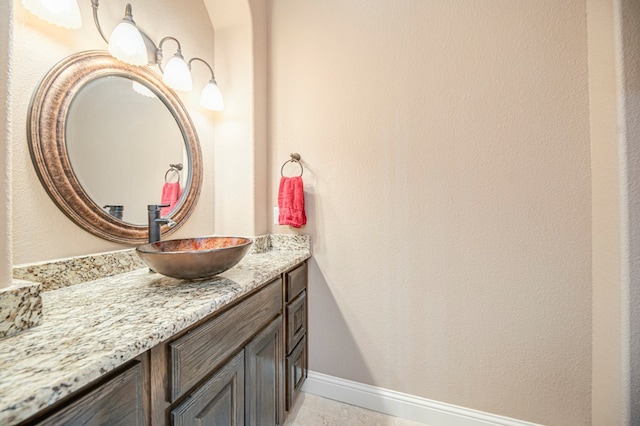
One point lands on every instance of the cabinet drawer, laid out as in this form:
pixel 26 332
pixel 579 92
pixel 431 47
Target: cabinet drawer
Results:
pixel 296 320
pixel 118 401
pixel 296 281
pixel 202 350
pixel 296 371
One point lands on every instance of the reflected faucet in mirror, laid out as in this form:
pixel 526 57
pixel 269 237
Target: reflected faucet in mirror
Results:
pixel 155 221
pixel 115 210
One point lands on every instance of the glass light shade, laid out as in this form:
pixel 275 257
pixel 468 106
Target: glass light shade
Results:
pixel 127 45
pixel 177 74
pixel 64 13
pixel 211 97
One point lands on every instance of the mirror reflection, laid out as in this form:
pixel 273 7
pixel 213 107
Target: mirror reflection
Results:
pixel 104 151
pixel 122 144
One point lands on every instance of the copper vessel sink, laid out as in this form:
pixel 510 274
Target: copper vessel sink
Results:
pixel 193 258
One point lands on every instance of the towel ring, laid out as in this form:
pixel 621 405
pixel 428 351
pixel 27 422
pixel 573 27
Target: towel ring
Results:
pixel 173 168
pixel 295 158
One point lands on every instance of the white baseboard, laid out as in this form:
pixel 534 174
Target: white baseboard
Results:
pixel 432 413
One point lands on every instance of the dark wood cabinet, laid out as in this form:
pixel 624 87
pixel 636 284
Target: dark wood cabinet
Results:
pixel 242 365
pixel 296 371
pixel 118 399
pixel 219 401
pixel 205 347
pixel 248 389
pixel 264 370
pixel 296 317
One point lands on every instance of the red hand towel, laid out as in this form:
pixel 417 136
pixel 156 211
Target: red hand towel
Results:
pixel 291 202
pixel 171 192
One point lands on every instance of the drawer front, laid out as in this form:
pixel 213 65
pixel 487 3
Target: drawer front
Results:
pixel 202 350
pixel 296 320
pixel 296 371
pixel 296 281
pixel 119 401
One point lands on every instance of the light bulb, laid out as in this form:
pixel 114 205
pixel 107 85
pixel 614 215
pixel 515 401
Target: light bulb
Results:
pixel 64 13
pixel 177 74
pixel 211 97
pixel 127 45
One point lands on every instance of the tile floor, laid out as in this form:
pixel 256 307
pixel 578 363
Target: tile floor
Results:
pixel 312 410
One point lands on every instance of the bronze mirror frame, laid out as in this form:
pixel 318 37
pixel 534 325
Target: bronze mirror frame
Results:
pixel 46 123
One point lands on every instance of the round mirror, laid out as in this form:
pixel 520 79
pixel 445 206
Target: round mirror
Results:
pixel 107 139
pixel 121 162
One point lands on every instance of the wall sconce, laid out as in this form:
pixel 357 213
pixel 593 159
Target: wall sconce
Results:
pixel 63 13
pixel 130 44
pixel 125 43
pixel 211 97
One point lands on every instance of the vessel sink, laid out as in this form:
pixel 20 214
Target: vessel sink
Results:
pixel 193 258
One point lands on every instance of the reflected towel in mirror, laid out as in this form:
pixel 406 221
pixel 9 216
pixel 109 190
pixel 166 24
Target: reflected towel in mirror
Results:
pixel 171 193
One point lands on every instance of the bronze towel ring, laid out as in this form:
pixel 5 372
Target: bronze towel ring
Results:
pixel 173 168
pixel 295 158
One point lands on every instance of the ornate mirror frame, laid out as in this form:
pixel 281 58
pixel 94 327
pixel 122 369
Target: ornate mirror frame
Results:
pixel 47 143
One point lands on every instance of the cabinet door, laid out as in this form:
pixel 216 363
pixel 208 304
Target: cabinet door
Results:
pixel 296 371
pixel 118 401
pixel 219 401
pixel 264 381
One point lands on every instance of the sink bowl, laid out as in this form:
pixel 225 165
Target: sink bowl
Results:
pixel 193 258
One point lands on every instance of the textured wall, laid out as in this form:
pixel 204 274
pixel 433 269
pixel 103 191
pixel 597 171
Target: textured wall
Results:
pixel 5 146
pixel 607 149
pixel 630 24
pixel 446 147
pixel 40 230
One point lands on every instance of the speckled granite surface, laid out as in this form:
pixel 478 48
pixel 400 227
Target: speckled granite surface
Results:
pixel 62 273
pixel 74 270
pixel 93 327
pixel 20 307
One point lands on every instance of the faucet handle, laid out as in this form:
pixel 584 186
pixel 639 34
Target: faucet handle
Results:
pixel 154 207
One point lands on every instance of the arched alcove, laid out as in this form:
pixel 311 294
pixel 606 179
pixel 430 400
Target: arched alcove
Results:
pixel 240 163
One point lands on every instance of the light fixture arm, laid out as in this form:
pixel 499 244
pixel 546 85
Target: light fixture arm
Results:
pixel 95 4
pixel 159 55
pixel 213 77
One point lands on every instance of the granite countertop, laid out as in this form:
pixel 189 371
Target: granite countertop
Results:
pixel 93 327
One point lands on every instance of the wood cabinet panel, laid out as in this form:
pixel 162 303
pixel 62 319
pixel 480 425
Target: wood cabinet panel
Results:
pixel 202 350
pixel 296 281
pixel 296 320
pixel 219 401
pixel 264 368
pixel 118 401
pixel 296 371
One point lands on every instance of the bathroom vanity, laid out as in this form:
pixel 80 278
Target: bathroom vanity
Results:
pixel 141 348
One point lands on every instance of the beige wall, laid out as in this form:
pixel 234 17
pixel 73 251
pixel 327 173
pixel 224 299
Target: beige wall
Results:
pixel 446 147
pixel 5 146
pixel 629 11
pixel 608 228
